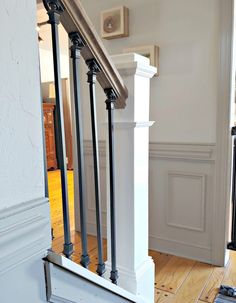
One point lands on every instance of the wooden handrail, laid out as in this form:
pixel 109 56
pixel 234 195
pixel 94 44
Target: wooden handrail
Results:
pixel 74 18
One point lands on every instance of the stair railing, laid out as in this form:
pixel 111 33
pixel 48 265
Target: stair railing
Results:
pixel 85 43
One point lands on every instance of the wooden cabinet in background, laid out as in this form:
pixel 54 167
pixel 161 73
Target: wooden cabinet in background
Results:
pixel 48 114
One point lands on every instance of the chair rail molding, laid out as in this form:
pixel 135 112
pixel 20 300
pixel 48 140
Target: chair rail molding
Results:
pixel 200 152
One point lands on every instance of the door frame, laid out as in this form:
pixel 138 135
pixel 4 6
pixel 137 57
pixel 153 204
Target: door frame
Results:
pixel 222 194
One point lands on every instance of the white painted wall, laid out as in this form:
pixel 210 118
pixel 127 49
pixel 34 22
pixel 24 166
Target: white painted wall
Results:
pixel 46 64
pixel 183 97
pixel 24 210
pixel 45 51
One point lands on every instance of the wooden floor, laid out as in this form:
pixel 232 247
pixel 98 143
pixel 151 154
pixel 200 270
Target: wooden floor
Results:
pixel 177 280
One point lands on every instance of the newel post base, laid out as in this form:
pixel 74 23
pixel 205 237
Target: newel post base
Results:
pixel 131 127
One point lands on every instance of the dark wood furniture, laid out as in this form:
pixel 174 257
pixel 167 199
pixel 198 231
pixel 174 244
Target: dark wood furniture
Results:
pixel 47 88
pixel 48 114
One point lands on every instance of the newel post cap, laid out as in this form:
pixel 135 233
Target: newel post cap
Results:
pixel 134 64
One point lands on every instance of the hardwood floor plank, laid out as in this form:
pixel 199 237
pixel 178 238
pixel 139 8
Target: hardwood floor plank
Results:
pixel 212 287
pixel 160 260
pixel 191 289
pixel 162 296
pixel 173 274
pixel 230 274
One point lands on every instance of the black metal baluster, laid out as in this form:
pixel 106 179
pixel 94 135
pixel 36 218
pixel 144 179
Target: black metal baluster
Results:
pixel 232 244
pixel 77 45
pixel 93 70
pixel 111 98
pixel 55 9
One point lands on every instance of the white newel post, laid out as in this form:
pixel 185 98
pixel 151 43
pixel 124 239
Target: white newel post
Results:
pixel 136 268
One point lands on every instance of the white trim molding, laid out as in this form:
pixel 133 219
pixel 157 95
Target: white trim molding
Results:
pixel 182 248
pixel 127 125
pixel 70 282
pixel 220 223
pixel 25 231
pixel 167 150
pixel 171 211
pixel 182 151
pixel 134 64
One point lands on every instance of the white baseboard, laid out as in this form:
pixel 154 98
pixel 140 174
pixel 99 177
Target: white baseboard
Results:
pixel 181 249
pixel 139 281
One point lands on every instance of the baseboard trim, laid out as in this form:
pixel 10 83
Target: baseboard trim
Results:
pixel 181 249
pixel 138 281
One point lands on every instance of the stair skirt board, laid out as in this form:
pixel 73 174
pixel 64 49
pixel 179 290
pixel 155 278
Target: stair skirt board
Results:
pixel 71 283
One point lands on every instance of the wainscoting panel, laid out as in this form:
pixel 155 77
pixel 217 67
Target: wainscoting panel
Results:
pixel 186 191
pixel 181 183
pixel 181 186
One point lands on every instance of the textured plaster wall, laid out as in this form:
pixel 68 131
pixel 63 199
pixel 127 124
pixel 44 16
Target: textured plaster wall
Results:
pixel 21 174
pixel 24 224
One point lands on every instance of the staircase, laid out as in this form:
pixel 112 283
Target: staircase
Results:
pixel 70 282
pixel 130 268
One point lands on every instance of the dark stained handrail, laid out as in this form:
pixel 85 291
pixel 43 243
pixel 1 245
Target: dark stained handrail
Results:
pixel 75 19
